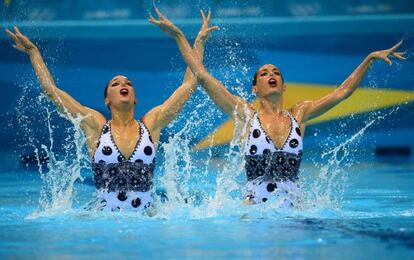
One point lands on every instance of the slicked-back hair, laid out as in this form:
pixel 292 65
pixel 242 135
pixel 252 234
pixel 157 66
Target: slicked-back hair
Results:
pixel 106 89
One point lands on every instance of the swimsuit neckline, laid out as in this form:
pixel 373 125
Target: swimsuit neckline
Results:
pixel 136 144
pixel 270 138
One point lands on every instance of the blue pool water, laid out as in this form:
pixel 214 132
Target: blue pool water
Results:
pixel 375 220
pixel 357 201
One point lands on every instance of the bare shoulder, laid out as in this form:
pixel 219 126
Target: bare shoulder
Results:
pixel 299 110
pixel 150 119
pixel 151 122
pixel 93 121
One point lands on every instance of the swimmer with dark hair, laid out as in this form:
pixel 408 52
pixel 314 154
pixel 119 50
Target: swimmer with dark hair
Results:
pixel 274 142
pixel 122 149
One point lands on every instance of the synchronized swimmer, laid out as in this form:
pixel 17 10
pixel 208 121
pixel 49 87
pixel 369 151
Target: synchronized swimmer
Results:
pixel 274 144
pixel 122 149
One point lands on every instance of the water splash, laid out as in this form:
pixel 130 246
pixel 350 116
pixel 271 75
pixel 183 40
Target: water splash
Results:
pixel 59 164
pixel 186 178
pixel 328 188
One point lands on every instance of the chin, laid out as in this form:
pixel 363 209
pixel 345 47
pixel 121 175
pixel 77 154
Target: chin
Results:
pixel 275 92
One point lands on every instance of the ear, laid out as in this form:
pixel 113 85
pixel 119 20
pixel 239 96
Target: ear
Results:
pixel 106 102
pixel 284 87
pixel 135 101
pixel 254 89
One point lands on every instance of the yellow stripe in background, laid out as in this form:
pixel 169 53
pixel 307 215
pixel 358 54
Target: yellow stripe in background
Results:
pixel 362 100
pixel 7 3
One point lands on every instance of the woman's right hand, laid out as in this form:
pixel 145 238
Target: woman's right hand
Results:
pixel 21 42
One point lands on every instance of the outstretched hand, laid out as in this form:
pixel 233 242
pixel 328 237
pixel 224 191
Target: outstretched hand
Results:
pixel 21 42
pixel 391 52
pixel 165 25
pixel 205 26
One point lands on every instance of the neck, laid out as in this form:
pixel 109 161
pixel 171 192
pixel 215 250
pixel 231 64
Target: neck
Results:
pixel 272 104
pixel 122 117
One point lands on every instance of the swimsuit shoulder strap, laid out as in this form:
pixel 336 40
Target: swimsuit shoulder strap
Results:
pixel 292 118
pixel 144 130
pixel 106 127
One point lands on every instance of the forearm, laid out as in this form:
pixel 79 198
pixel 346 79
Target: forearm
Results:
pixel 214 88
pixel 353 81
pixel 198 50
pixel 191 57
pixel 318 107
pixel 63 101
pixel 175 103
pixel 42 72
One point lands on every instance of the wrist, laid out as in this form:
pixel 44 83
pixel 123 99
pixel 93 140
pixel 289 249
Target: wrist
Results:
pixel 371 56
pixel 33 51
pixel 179 35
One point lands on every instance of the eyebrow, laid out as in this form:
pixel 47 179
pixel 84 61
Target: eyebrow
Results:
pixel 265 69
pixel 115 79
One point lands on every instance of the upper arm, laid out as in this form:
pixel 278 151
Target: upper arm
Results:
pixel 232 105
pixel 151 121
pixel 70 107
pixel 315 108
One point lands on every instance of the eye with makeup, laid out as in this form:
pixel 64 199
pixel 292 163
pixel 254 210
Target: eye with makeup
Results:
pixel 263 74
pixel 114 84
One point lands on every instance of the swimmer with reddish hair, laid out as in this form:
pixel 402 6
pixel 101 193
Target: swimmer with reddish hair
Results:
pixel 274 142
pixel 122 149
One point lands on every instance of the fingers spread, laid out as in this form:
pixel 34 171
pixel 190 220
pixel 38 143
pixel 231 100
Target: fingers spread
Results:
pixel 396 46
pixel 153 20
pixel 209 15
pixel 214 28
pixel 399 55
pixel 160 15
pixel 16 29
pixel 387 60
pixel 203 16
pixel 11 35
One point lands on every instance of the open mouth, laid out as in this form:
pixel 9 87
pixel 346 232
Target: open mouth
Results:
pixel 124 92
pixel 272 83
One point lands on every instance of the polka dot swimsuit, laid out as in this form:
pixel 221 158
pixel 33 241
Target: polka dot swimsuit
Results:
pixel 124 183
pixel 272 172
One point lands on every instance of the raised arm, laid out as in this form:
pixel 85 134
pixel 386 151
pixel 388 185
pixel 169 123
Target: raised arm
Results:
pixel 312 109
pixel 162 115
pixel 68 105
pixel 232 105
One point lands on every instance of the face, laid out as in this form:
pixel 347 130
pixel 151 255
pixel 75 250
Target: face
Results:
pixel 120 92
pixel 269 81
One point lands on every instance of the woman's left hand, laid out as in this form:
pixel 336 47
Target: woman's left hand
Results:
pixel 205 27
pixel 385 54
pixel 165 25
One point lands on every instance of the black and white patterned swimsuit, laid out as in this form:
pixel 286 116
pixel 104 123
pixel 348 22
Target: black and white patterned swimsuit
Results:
pixel 272 173
pixel 124 183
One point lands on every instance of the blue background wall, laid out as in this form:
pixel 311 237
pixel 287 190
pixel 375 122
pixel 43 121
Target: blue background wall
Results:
pixel 321 42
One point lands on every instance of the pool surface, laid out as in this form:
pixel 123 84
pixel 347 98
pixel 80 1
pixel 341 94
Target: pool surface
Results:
pixel 358 165
pixel 375 219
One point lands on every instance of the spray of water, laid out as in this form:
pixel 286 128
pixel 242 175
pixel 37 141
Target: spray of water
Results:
pixel 194 190
pixel 64 159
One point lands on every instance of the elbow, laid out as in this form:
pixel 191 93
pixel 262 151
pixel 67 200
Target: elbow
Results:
pixel 342 94
pixel 50 94
pixel 346 94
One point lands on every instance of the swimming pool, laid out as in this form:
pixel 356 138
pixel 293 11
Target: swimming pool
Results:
pixel 375 220
pixel 358 171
